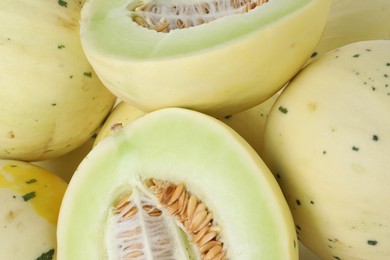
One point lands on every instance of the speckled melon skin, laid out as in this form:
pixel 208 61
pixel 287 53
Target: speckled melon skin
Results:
pixel 51 101
pixel 220 78
pixel 327 141
pixel 30 199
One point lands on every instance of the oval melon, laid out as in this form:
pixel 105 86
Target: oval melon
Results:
pixel 167 172
pixel 51 101
pixel 327 141
pixel 220 67
pixel 30 201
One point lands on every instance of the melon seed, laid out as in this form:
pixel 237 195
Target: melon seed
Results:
pixel 136 213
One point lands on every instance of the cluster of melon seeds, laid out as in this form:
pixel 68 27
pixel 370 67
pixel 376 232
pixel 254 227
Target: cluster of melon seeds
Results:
pixel 163 17
pixel 142 228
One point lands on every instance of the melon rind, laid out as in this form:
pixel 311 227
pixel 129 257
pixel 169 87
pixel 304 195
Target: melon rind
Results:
pixel 222 67
pixel 180 145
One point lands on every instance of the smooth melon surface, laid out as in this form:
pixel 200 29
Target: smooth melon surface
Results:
pixel 180 145
pixel 327 141
pixel 51 100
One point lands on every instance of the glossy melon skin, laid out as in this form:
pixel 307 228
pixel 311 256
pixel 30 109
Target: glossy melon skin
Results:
pixel 30 199
pixel 180 145
pixel 233 73
pixel 352 21
pixel 51 101
pixel 327 141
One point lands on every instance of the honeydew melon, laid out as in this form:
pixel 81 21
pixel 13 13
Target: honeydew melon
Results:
pixel 113 195
pixel 30 201
pixel 220 67
pixel 51 101
pixel 327 141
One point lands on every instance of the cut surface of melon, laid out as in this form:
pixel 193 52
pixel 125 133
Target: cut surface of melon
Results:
pixel 161 151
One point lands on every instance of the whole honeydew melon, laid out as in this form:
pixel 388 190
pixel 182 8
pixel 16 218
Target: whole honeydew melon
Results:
pixel 233 61
pixel 174 184
pixel 327 141
pixel 51 101
pixel 30 199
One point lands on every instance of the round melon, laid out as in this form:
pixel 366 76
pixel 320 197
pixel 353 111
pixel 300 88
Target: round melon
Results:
pixel 51 100
pixel 218 57
pixel 175 184
pixel 327 141
pixel 30 201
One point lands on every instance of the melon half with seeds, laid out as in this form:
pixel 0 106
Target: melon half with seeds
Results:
pixel 214 56
pixel 175 184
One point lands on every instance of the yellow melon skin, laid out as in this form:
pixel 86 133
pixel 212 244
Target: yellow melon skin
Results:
pixel 51 101
pixel 30 198
pixel 217 80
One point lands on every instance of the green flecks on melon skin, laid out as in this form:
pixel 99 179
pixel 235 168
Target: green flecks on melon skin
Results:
pixel 282 109
pixel 61 46
pixel 29 196
pixel 30 181
pixel 355 148
pixel 88 74
pixel 372 242
pixel 63 3
pixel 47 255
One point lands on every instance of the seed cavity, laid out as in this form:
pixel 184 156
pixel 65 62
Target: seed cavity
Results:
pixel 141 228
pixel 163 17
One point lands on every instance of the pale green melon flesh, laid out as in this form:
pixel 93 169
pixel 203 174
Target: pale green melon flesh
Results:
pixel 180 145
pixel 107 26
pixel 327 140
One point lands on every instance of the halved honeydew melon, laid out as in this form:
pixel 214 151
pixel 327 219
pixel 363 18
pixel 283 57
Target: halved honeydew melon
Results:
pixel 178 148
pixel 220 67
pixel 30 201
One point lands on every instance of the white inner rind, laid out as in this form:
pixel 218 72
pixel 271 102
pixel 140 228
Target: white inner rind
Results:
pixel 142 236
